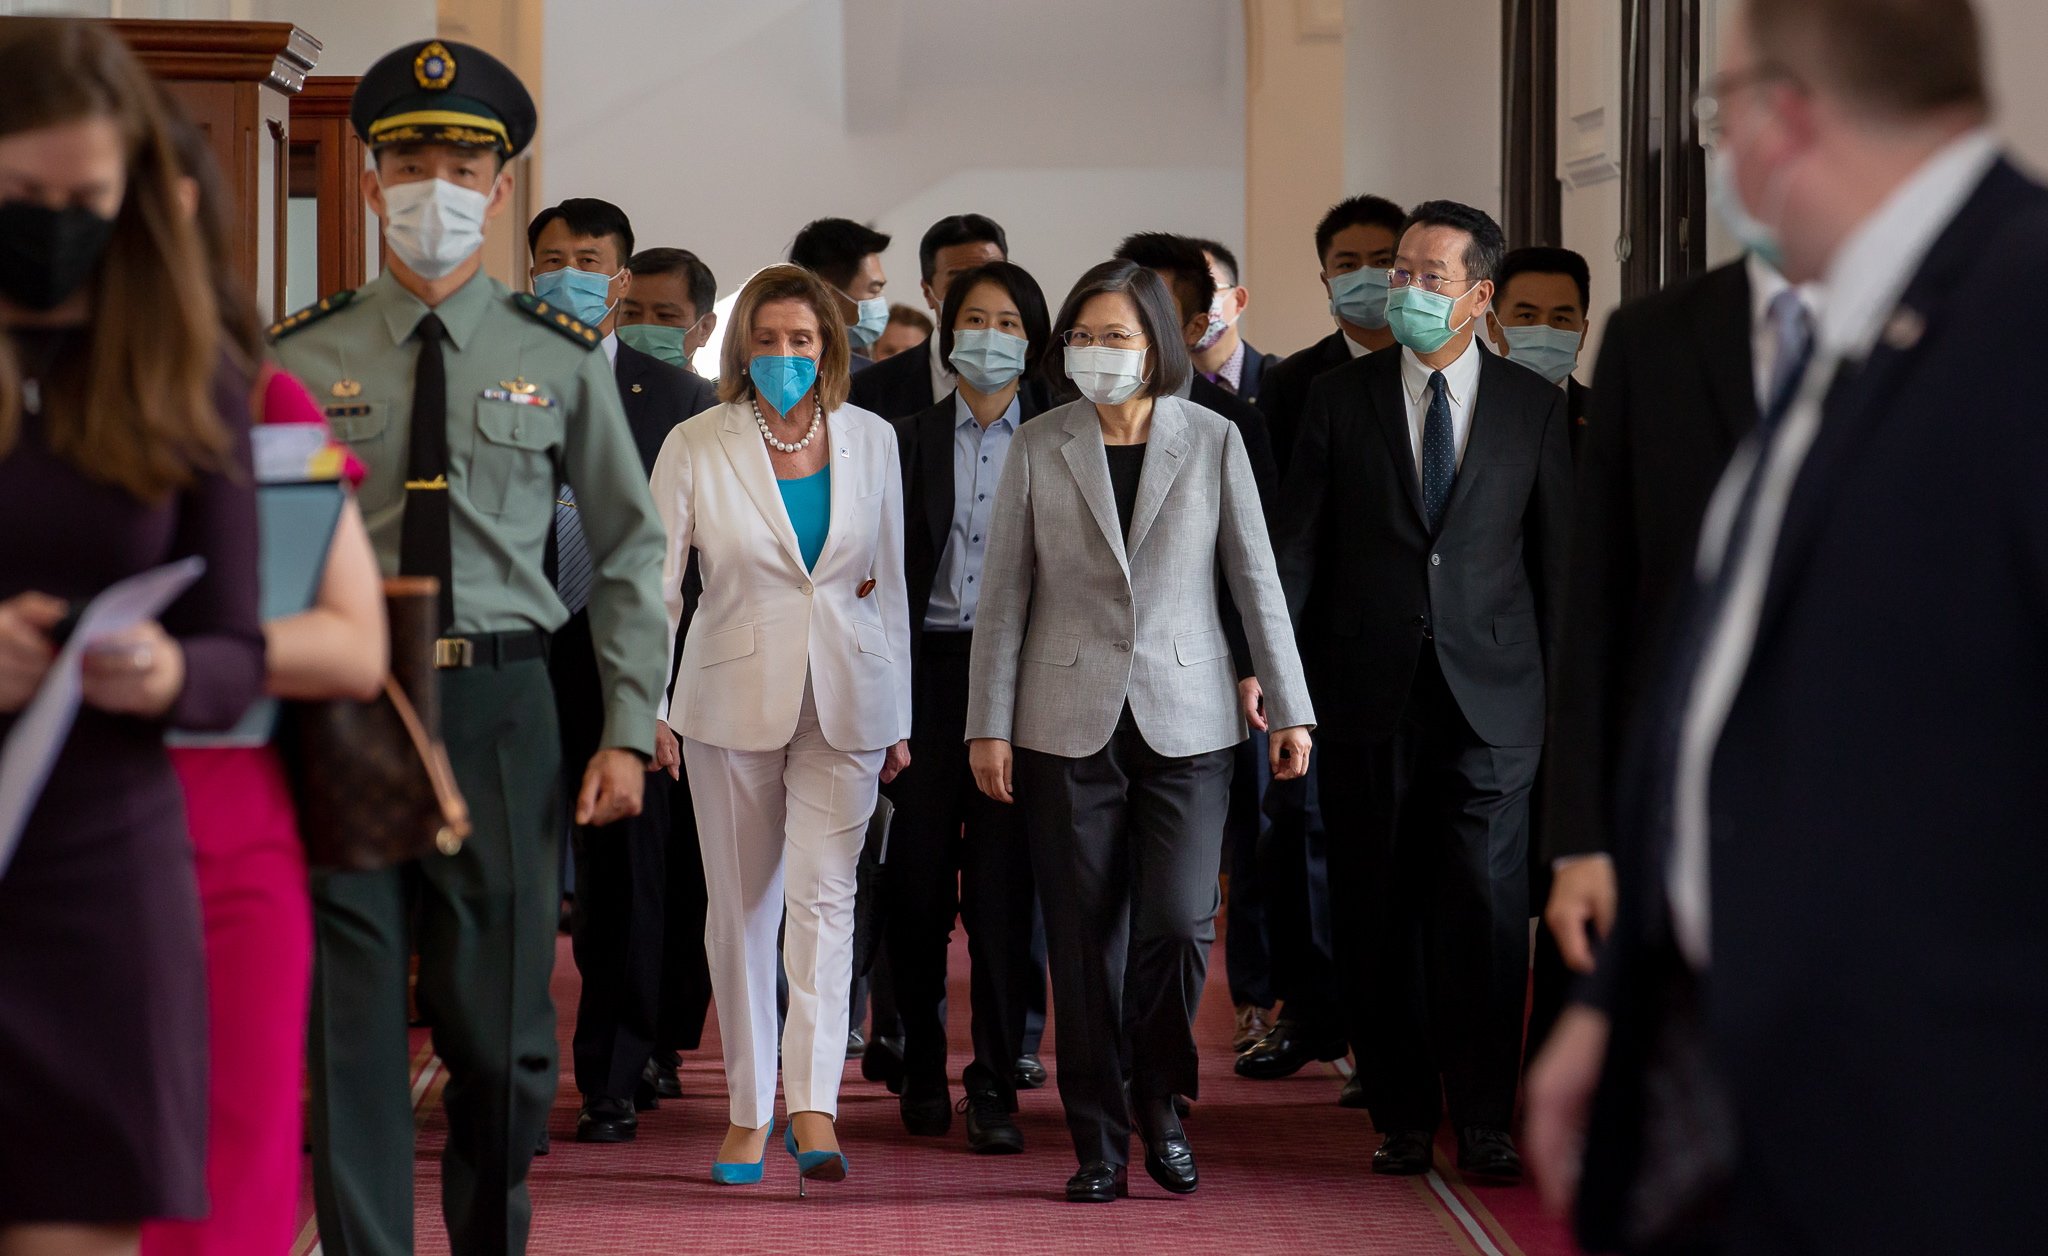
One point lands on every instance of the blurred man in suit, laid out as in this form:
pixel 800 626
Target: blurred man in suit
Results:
pixel 848 257
pixel 1221 356
pixel 579 250
pixel 918 381
pixel 1540 318
pixel 1423 547
pixel 1355 246
pixel 1826 969
pixel 668 313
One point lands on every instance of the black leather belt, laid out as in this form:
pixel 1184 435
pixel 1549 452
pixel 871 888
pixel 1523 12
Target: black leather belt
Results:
pixel 493 649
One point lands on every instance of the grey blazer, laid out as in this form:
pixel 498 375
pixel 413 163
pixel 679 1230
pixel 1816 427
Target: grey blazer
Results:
pixel 1074 623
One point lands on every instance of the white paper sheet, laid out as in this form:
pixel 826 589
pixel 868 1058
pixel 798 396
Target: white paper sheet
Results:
pixel 38 736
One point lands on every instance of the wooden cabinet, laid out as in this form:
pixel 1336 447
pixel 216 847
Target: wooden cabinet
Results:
pixel 325 190
pixel 237 79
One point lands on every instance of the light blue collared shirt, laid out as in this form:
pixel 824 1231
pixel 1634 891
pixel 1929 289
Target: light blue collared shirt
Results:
pixel 978 455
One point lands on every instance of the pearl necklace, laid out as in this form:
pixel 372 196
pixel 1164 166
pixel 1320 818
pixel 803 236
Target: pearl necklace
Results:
pixel 817 418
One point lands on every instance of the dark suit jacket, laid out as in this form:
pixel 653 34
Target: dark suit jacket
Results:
pixel 657 396
pixel 1283 391
pixel 1575 403
pixel 924 442
pixel 1877 877
pixel 1367 582
pixel 1673 394
pixel 1253 377
pixel 1251 425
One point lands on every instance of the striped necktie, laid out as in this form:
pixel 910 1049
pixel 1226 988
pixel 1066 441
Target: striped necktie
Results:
pixel 574 571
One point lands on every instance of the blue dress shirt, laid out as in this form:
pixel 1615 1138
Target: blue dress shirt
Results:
pixel 978 455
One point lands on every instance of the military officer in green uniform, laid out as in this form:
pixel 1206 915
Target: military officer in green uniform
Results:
pixel 470 404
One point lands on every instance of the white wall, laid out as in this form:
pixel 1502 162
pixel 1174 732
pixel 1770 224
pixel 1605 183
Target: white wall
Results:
pixel 353 33
pixel 1422 100
pixel 723 127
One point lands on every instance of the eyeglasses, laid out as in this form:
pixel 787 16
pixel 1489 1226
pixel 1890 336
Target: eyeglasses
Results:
pixel 1075 338
pixel 1707 110
pixel 1428 282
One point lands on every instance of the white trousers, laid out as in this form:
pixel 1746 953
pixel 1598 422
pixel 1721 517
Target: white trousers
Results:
pixel 781 832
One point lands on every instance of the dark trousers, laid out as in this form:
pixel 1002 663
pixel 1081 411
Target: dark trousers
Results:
pixel 1295 876
pixel 616 925
pixel 1550 980
pixel 1247 949
pixel 954 851
pixel 685 972
pixel 486 920
pixel 1428 837
pixel 1127 841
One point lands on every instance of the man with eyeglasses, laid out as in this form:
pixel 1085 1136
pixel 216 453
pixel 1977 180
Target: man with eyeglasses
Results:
pixel 1422 545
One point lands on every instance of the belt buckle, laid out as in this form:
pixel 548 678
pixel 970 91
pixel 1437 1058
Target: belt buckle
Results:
pixel 453 652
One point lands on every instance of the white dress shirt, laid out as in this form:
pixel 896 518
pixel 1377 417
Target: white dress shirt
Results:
pixel 1357 350
pixel 611 349
pixel 1864 283
pixel 1461 388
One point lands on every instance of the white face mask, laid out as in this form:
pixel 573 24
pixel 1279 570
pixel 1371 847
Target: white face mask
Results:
pixel 1107 377
pixel 433 225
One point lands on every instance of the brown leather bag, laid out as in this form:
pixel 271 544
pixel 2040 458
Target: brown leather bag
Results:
pixel 372 779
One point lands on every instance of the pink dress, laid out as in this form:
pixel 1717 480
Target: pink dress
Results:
pixel 258 921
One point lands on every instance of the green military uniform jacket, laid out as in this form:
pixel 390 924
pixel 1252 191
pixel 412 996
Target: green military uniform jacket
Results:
pixel 531 406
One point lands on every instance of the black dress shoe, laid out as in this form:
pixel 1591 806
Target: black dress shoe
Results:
pixel 1353 1094
pixel 1098 1183
pixel 883 1062
pixel 668 1075
pixel 1403 1153
pixel 1488 1153
pixel 856 1044
pixel 1169 1157
pixel 927 1107
pixel 647 1091
pixel 1029 1073
pixel 1285 1049
pixel 540 1150
pixel 606 1120
pixel 990 1131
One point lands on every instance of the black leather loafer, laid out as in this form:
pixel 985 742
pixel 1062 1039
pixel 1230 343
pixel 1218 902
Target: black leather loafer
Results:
pixel 1353 1094
pixel 1285 1050
pixel 1488 1153
pixel 1403 1153
pixel 666 1068
pixel 1098 1183
pixel 1029 1073
pixel 883 1062
pixel 1169 1157
pixel 927 1108
pixel 606 1120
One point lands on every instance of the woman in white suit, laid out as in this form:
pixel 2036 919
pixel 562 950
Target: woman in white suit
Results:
pixel 792 699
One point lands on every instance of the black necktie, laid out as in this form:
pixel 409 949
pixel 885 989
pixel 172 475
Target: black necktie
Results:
pixel 1439 452
pixel 423 540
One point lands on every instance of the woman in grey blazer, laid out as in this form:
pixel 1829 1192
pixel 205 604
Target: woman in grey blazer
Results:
pixel 1102 659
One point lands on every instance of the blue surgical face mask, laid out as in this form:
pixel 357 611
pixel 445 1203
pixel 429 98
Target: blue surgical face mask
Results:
pixel 1422 319
pixel 1551 352
pixel 581 292
pixel 782 379
pixel 1725 199
pixel 988 359
pixel 869 324
pixel 1359 297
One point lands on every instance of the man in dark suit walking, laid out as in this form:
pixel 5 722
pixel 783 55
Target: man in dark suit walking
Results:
pixel 579 251
pixel 1355 246
pixel 907 383
pixel 1826 970
pixel 1423 548
pixel 668 314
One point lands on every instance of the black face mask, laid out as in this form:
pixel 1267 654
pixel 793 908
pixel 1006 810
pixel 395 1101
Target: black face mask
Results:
pixel 47 254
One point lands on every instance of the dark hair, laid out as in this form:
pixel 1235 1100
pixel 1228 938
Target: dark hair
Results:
pixel 1484 243
pixel 1181 260
pixel 833 248
pixel 1155 313
pixel 696 275
pixel 587 218
pixel 1358 211
pixel 1547 261
pixel 244 331
pixel 1023 290
pixel 136 407
pixel 1222 257
pixel 901 313
pixel 957 229
pixel 1897 57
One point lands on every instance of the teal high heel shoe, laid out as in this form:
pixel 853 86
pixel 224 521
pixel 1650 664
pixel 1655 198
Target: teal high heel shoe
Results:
pixel 813 1166
pixel 725 1173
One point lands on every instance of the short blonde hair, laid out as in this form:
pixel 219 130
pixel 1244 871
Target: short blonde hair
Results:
pixel 785 283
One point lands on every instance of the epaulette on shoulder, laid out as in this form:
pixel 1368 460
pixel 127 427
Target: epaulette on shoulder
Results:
pixel 556 319
pixel 310 315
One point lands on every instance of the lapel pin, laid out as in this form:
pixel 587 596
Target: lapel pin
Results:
pixel 867 586
pixel 1904 329
pixel 519 385
pixel 636 388
pixel 346 388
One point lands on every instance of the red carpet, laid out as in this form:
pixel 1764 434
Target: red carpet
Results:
pixel 1283 1168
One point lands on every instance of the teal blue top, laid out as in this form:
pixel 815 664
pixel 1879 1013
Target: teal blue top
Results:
pixel 809 503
